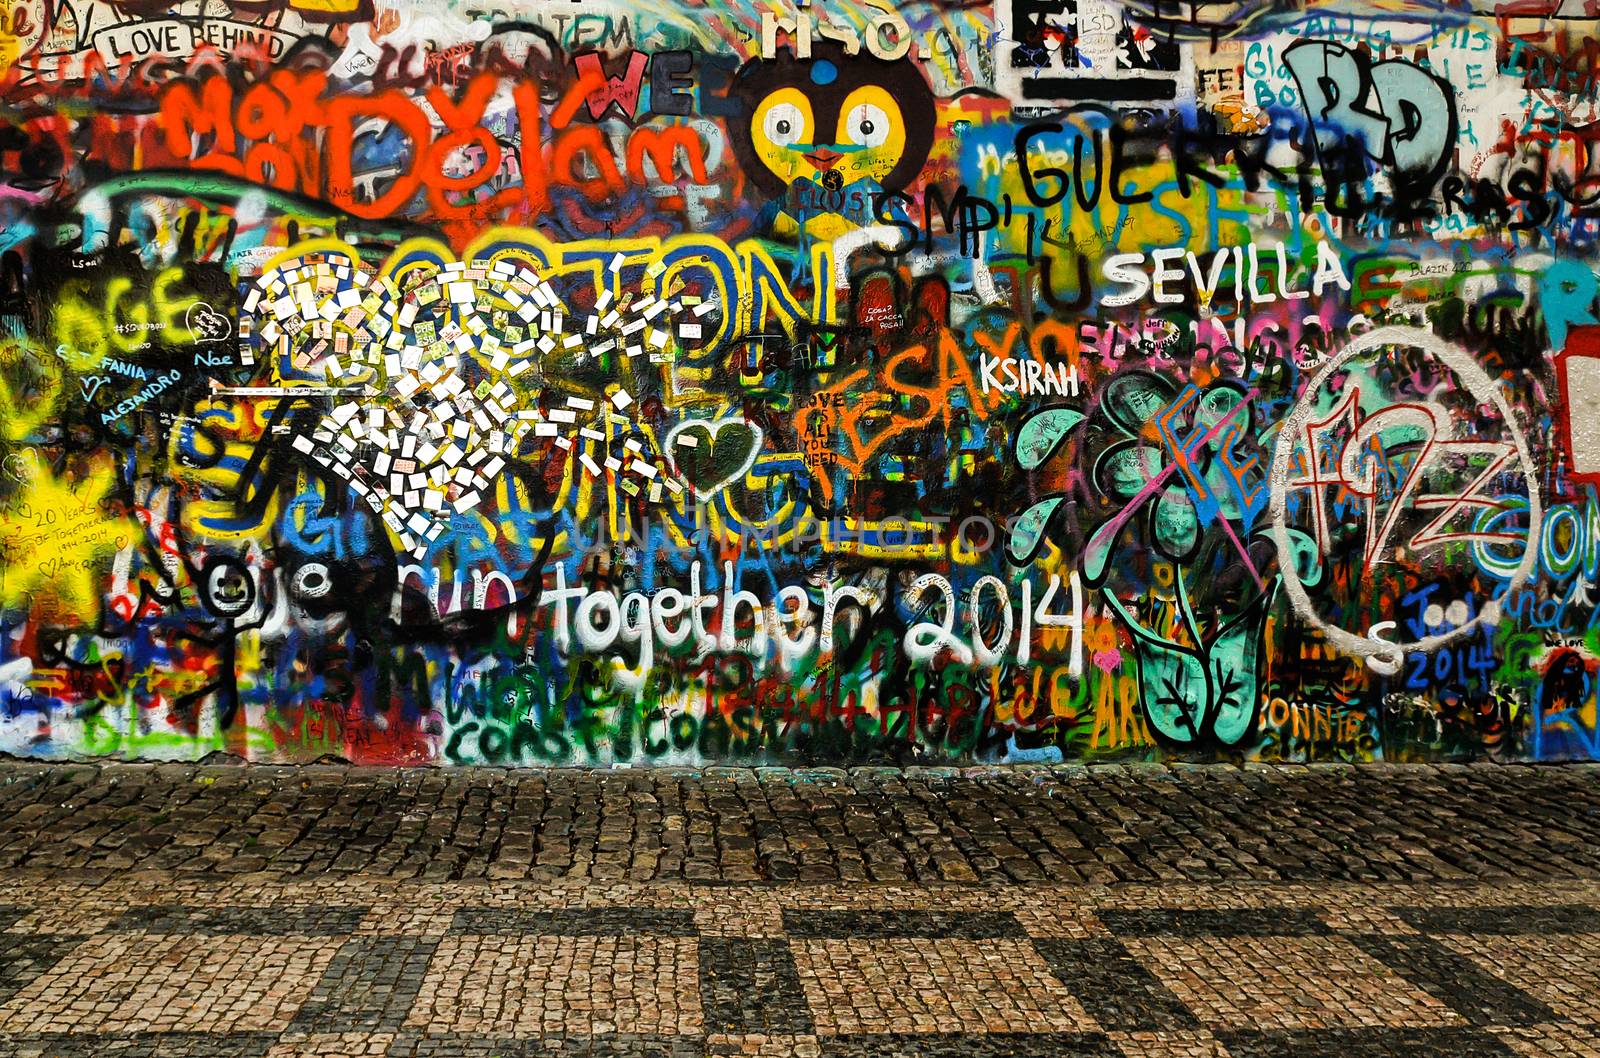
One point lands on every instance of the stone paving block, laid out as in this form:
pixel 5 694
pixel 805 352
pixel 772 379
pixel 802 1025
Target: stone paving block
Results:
pixel 370 983
pixel 903 985
pixel 310 921
pixel 752 986
pixel 589 985
pixel 762 1045
pixel 359 1044
pixel 1195 1044
pixel 739 913
pixel 1365 1043
pixel 1502 919
pixel 417 917
pixel 577 922
pixel 23 959
pixel 1479 996
pixel 1287 983
pixel 123 983
pixel 993 827
pixel 1550 1041
pixel 189 961
pixel 998 1045
pixel 612 1045
pixel 965 925
pixel 1359 916
pixel 1215 922
pixel 138 1045
pixel 1560 970
pixel 11 915
pixel 1113 986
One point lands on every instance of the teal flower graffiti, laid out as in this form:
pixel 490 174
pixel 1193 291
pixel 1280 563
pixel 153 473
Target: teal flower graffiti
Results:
pixel 1180 564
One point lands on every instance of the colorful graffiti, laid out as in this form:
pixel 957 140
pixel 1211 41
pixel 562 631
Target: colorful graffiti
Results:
pixel 645 383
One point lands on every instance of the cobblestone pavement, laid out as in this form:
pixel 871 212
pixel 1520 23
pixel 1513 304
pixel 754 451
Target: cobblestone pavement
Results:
pixel 207 967
pixel 995 826
pixel 1145 913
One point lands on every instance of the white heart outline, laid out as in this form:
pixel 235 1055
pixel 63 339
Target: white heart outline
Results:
pixel 205 309
pixel 22 465
pixel 714 427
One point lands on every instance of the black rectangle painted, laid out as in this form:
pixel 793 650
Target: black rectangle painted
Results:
pixel 1503 921
pixel 370 983
pixel 1365 1043
pixel 576 921
pixel 137 1045
pixel 23 958
pixel 610 1045
pixel 953 925
pixel 279 921
pixel 1457 981
pixel 749 985
pixel 986 1045
pixel 1213 922
pixel 1101 89
pixel 1115 988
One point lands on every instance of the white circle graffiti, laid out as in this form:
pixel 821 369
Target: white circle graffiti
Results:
pixel 1483 389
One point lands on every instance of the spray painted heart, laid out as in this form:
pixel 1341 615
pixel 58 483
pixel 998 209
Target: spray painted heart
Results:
pixel 206 324
pixel 711 455
pixel 91 385
pixel 22 466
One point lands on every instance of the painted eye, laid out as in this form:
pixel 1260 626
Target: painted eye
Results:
pixel 784 124
pixel 868 125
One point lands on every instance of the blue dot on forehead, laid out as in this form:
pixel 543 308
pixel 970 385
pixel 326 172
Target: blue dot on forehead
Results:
pixel 823 72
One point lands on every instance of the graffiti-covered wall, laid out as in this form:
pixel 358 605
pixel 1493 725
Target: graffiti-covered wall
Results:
pixel 672 381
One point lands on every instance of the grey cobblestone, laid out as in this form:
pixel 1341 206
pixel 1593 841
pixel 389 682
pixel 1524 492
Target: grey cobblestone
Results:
pixel 990 826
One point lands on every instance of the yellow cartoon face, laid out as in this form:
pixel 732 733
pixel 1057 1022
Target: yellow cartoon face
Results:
pixel 871 136
pixel 833 120
pixel 866 142
pixel 781 131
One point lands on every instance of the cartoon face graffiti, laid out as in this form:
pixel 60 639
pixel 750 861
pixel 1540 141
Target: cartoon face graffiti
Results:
pixel 829 133
pixel 867 141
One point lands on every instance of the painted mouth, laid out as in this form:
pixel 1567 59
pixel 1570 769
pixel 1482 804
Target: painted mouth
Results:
pixel 823 160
